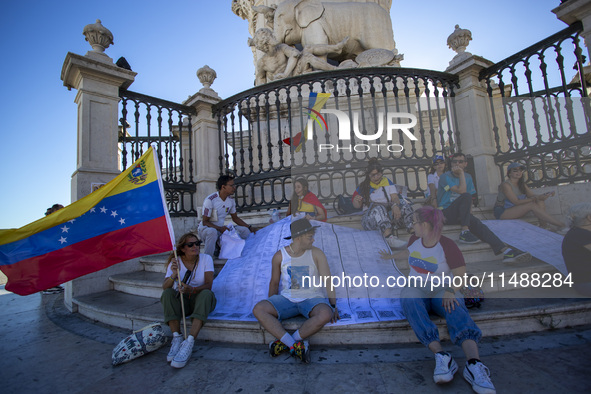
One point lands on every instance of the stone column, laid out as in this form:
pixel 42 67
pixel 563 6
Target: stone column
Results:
pixel 97 80
pixel 472 105
pixel 205 136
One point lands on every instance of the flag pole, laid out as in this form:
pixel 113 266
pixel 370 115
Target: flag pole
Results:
pixel 178 276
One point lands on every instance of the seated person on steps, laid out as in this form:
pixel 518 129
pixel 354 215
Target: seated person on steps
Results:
pixel 395 212
pixel 437 169
pixel 215 209
pixel 454 198
pixel 515 199
pixel 196 272
pixel 305 203
pixel 290 294
pixel 431 254
pixel 576 247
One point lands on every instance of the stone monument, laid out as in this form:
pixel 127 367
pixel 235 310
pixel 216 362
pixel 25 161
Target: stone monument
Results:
pixel 317 35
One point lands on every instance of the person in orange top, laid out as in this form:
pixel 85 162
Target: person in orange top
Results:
pixel 304 202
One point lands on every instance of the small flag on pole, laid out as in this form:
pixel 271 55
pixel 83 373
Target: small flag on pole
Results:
pixel 315 103
pixel 125 219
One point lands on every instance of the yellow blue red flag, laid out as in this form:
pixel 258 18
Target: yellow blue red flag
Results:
pixel 315 103
pixel 125 219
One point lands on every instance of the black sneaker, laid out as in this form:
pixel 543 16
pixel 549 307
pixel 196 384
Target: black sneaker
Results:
pixel 277 348
pixel 514 255
pixel 301 351
pixel 468 238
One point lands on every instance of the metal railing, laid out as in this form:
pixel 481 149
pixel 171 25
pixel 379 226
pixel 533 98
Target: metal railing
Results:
pixel 539 102
pixel 254 125
pixel 166 125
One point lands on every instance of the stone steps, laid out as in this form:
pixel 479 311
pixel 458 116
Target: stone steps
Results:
pixel 157 263
pixel 134 302
pixel 497 316
pixel 149 283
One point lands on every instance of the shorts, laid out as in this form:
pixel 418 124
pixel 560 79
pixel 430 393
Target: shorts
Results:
pixel 287 309
pixel 498 211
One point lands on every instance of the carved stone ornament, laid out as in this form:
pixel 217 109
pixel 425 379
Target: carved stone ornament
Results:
pixel 459 39
pixel 375 58
pixel 98 36
pixel 206 76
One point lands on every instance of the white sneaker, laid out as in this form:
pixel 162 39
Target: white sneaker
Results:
pixel 184 353
pixel 478 376
pixel 395 243
pixel 177 340
pixel 445 368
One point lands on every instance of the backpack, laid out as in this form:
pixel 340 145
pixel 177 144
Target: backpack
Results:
pixel 344 205
pixel 473 296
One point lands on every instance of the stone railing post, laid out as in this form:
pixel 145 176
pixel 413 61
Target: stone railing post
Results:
pixel 97 80
pixel 472 105
pixel 206 136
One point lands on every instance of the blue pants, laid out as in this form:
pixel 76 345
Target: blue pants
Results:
pixel 418 302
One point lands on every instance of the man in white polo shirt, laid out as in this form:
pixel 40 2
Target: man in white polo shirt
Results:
pixel 215 209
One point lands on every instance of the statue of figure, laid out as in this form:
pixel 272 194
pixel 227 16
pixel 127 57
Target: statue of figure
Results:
pixel 315 22
pixel 281 60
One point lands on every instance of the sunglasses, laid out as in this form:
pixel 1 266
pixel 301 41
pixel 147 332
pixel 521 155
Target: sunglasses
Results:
pixel 458 161
pixel 191 244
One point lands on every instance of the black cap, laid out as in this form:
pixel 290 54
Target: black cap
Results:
pixel 300 227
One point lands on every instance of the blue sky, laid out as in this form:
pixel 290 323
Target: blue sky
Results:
pixel 165 43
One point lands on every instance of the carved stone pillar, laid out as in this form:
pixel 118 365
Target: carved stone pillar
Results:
pixel 472 105
pixel 97 81
pixel 205 135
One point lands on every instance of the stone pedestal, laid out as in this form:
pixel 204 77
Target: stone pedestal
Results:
pixel 207 146
pixel 472 105
pixel 97 81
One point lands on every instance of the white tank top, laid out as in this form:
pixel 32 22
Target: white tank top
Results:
pixel 299 275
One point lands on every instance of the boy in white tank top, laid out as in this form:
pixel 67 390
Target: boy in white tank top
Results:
pixel 297 271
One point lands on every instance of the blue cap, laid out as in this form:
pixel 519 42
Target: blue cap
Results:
pixel 438 157
pixel 515 165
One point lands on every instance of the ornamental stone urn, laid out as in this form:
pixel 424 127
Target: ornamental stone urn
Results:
pixel 206 76
pixel 98 36
pixel 458 41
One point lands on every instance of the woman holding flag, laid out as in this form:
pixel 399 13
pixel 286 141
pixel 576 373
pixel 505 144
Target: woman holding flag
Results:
pixel 195 271
pixel 305 203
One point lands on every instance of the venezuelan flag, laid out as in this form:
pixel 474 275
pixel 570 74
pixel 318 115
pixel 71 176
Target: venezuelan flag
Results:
pixel 125 219
pixel 315 103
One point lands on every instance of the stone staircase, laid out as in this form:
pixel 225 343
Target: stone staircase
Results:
pixel 134 301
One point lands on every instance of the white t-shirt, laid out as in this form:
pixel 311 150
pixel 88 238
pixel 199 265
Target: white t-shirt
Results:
pixel 433 261
pixel 213 202
pixel 197 277
pixel 434 179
